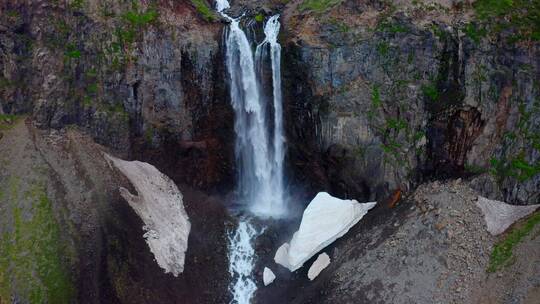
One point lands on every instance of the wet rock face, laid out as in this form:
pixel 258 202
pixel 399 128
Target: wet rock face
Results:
pixel 138 78
pixel 377 102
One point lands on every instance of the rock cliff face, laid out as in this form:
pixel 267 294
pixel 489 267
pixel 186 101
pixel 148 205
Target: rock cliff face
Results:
pixel 67 235
pixel 433 249
pixel 140 78
pixel 384 96
pixel 379 95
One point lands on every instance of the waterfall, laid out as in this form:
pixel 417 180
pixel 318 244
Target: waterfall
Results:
pixel 241 263
pixel 259 155
pixel 271 31
pixel 259 146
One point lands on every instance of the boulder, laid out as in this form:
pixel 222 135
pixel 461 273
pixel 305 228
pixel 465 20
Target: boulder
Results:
pixel 499 215
pixel 159 205
pixel 322 261
pixel 268 276
pixel 325 219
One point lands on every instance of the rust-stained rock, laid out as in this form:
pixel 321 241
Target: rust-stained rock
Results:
pixel 395 198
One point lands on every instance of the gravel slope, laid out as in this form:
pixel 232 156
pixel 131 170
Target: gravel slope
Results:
pixel 432 248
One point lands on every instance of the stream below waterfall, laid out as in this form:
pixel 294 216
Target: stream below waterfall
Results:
pixel 242 261
pixel 259 145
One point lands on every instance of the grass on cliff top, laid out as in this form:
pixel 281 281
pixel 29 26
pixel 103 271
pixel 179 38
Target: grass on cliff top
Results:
pixel 204 10
pixel 318 6
pixel 137 19
pixel 503 250
pixel 31 253
pixel 521 15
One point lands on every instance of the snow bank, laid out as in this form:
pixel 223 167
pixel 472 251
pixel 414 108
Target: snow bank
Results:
pixel 325 219
pixel 499 215
pixel 159 204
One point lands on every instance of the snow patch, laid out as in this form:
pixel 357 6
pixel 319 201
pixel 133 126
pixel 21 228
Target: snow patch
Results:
pixel 325 219
pixel 159 204
pixel 268 276
pixel 322 261
pixel 499 215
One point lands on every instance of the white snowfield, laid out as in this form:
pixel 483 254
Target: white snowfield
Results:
pixel 499 215
pixel 325 219
pixel 268 276
pixel 159 204
pixel 322 261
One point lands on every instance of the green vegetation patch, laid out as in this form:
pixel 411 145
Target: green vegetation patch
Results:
pixel 383 48
pixel 204 10
pixel 375 97
pixel 318 6
pixel 503 250
pixel 31 254
pixel 523 16
pixel 392 27
pixel 475 32
pixel 13 14
pixel 133 23
pixel 517 165
pixel 92 88
pixel 5 83
pixel 72 52
pixel 259 17
pixel 77 5
pixel 339 25
pixel 7 121
pixel 141 19
pixel 431 91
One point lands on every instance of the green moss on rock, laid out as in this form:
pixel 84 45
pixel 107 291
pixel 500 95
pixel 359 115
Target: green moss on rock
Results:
pixel 203 9
pixel 521 16
pixel 7 121
pixel 503 250
pixel 259 17
pixel 31 251
pixel 318 6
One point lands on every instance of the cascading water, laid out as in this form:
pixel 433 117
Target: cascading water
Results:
pixel 259 146
pixel 259 159
pixel 276 204
pixel 241 262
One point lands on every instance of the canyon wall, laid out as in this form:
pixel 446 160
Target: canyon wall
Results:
pixel 140 77
pixel 381 97
pixel 377 97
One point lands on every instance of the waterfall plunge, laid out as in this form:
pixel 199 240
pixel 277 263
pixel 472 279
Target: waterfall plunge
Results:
pixel 259 148
pixel 241 262
pixel 275 205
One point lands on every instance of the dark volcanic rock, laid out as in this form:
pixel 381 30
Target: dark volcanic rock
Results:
pixel 100 237
pixel 378 100
pixel 140 86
